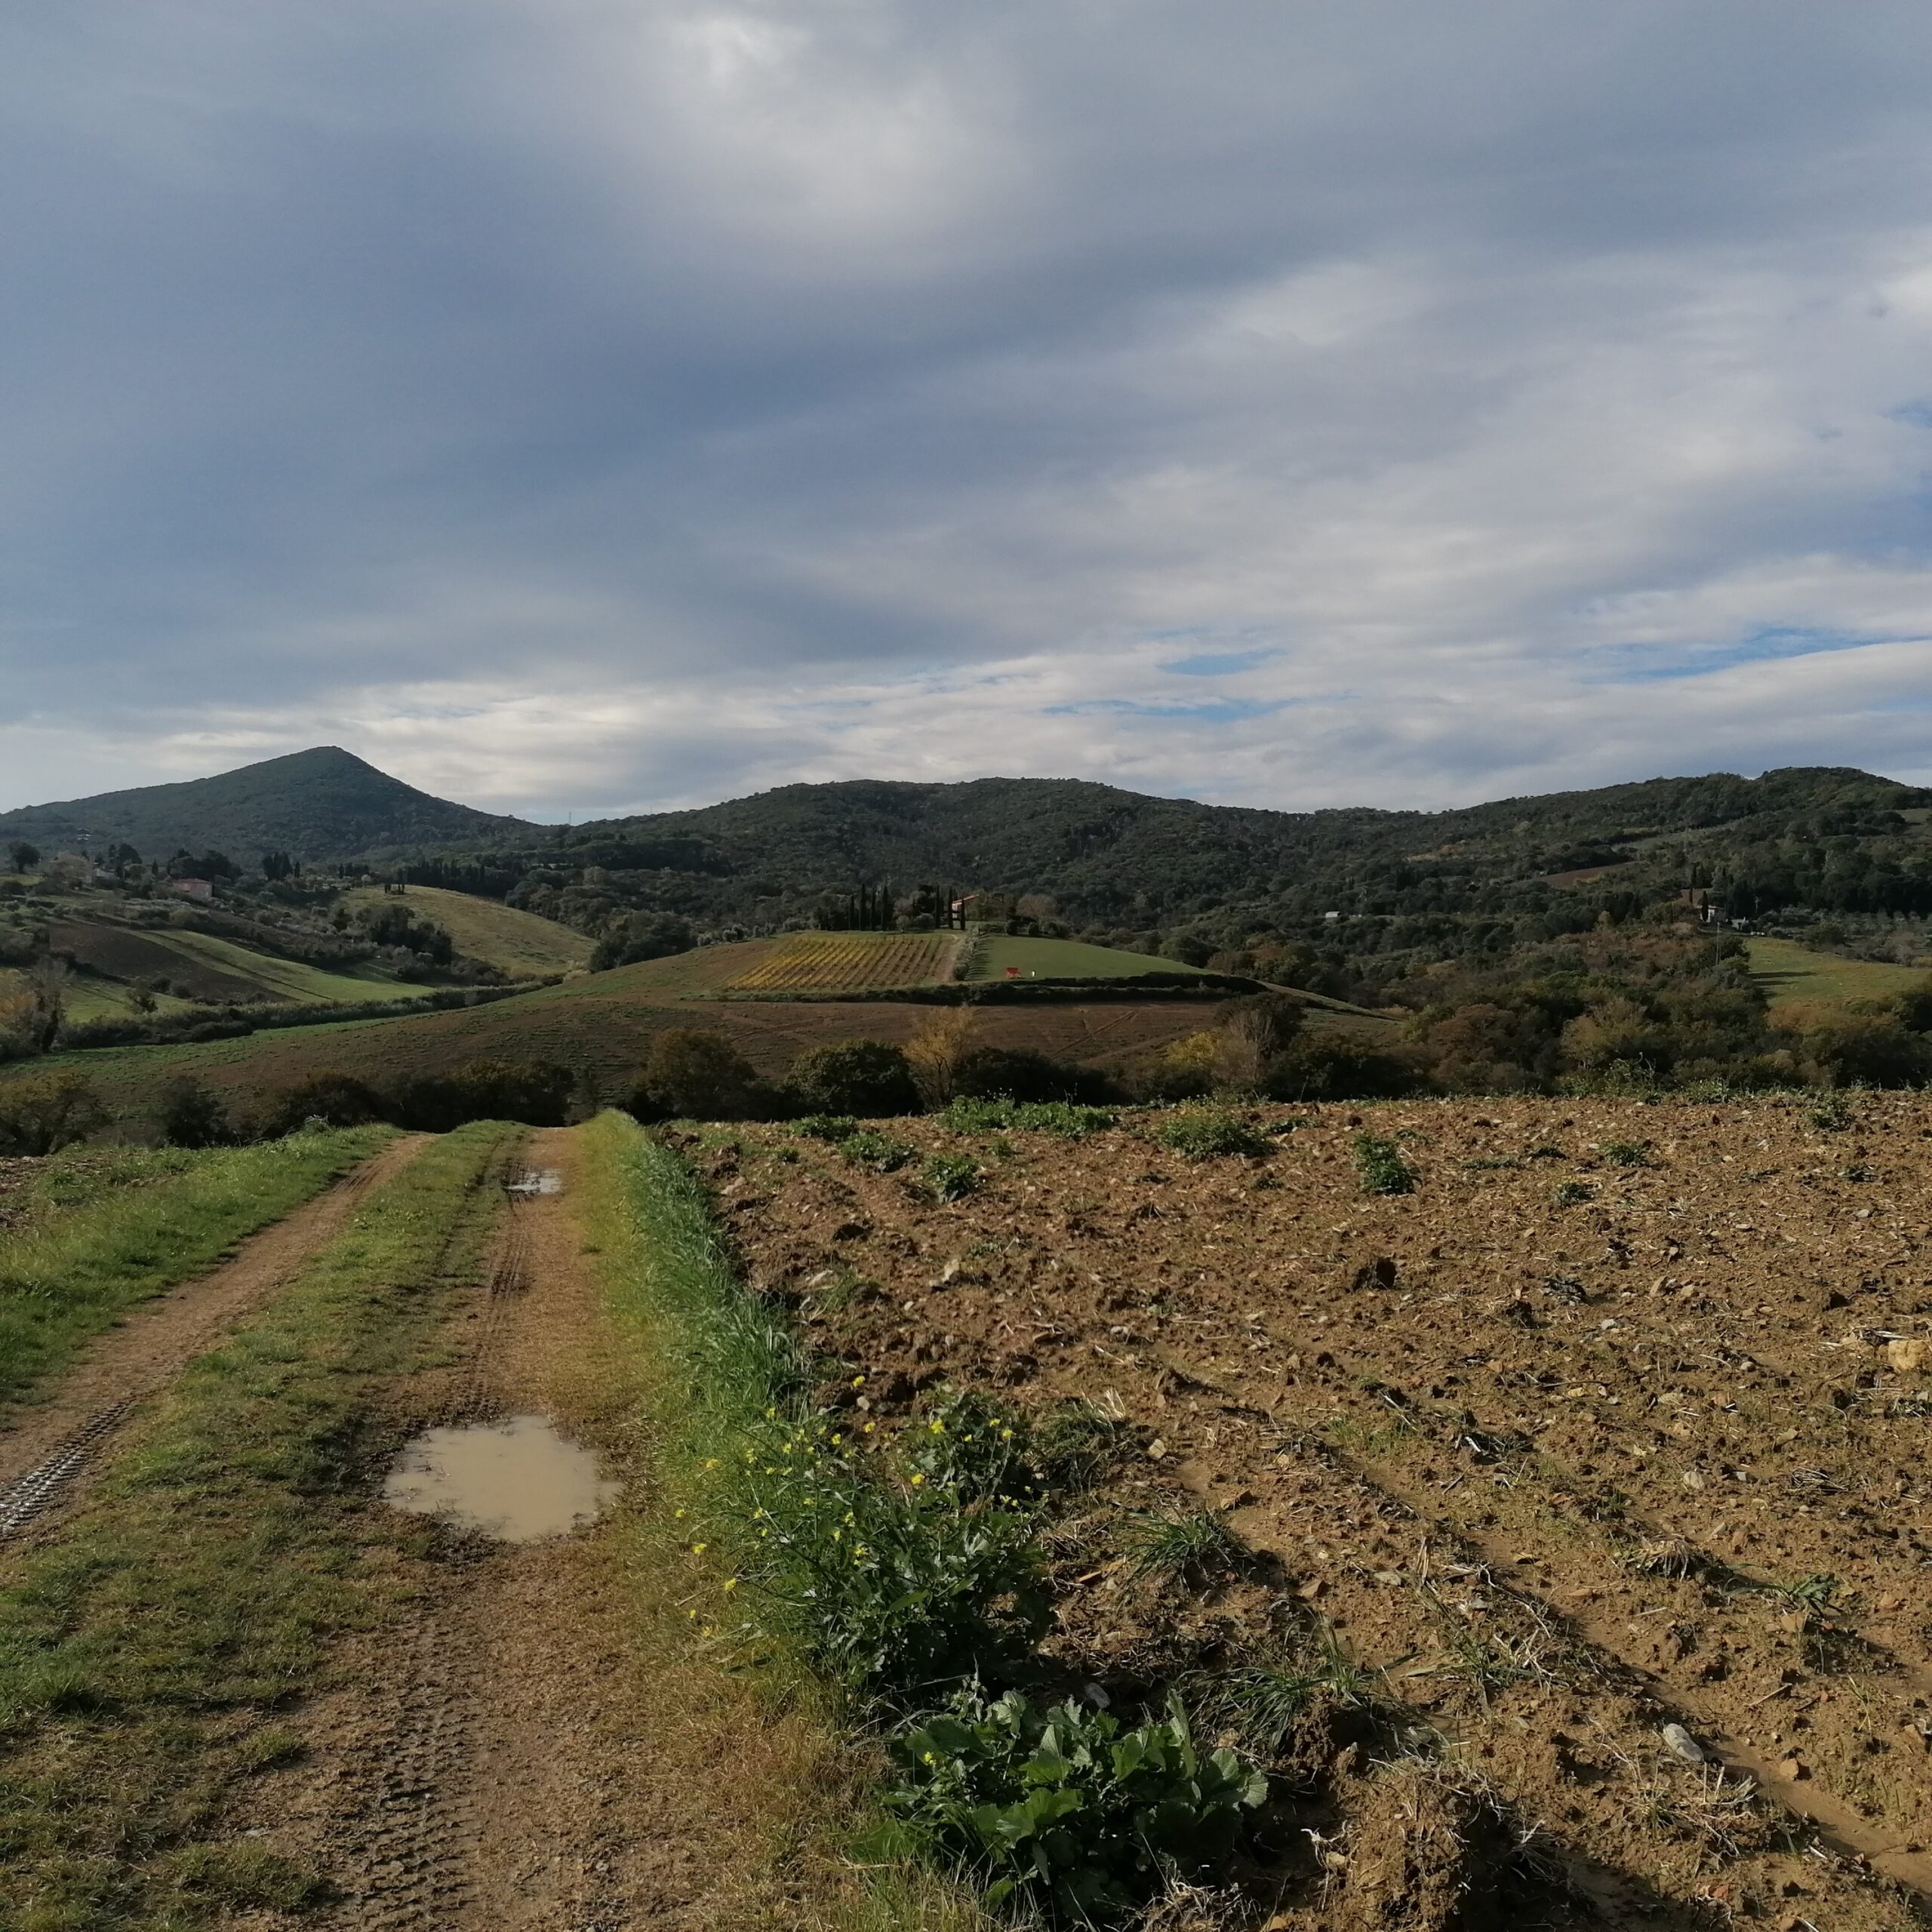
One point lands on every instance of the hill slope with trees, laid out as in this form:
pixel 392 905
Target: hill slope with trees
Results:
pixel 317 805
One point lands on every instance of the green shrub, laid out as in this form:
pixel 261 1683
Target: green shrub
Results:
pixel 950 1177
pixel 191 1116
pixel 869 1148
pixel 1066 1809
pixel 1018 1073
pixel 981 1449
pixel 537 1093
pixel 1199 1136
pixel 45 1112
pixel 690 1074
pixel 867 1077
pixel 337 1100
pixel 825 1127
pixel 1382 1169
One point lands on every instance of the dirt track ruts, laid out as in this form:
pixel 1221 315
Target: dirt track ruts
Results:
pixel 46 1447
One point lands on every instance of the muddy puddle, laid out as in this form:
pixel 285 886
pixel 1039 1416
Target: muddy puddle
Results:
pixel 537 1181
pixel 518 1480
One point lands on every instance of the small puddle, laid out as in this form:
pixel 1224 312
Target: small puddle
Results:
pixel 538 1180
pixel 518 1480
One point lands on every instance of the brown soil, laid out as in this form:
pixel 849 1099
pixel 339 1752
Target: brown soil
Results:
pixel 1554 1443
pixel 521 1757
pixel 46 1444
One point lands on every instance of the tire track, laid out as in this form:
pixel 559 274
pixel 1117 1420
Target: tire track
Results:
pixel 142 1357
pixel 414 1837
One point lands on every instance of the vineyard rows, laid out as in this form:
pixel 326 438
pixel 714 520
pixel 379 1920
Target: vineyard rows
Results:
pixel 861 961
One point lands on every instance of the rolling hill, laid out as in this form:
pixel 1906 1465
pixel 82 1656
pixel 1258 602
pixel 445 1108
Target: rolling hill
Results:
pixel 523 945
pixel 316 805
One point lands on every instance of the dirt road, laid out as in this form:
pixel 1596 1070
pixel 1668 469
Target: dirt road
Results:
pixel 46 1448
pixel 502 1765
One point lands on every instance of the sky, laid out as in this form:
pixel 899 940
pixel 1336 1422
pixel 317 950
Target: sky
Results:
pixel 576 407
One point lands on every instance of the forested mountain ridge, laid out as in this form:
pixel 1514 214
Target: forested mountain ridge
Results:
pixel 1089 857
pixel 1123 862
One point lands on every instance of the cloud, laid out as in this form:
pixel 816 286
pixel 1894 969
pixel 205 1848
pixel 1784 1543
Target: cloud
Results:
pixel 583 405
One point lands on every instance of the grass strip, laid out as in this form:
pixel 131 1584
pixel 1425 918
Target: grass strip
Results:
pixel 100 1232
pixel 145 1652
pixel 716 1364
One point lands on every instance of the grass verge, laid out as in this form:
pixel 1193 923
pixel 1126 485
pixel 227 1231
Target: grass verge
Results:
pixel 101 1232
pixel 145 1651
pixel 714 1364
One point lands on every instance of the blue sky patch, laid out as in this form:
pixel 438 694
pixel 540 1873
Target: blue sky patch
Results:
pixel 1215 711
pixel 1219 664
pixel 1655 663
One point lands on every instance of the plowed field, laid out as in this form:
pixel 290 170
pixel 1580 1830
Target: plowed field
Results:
pixel 849 962
pixel 1620 1421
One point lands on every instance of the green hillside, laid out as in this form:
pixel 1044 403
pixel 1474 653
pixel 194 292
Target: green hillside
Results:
pixel 524 946
pixel 1789 971
pixel 318 805
pixel 110 957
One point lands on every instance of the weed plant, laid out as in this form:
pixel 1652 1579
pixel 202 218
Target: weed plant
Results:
pixel 1570 1193
pixel 896 1584
pixel 966 1114
pixel 869 1148
pixel 825 1127
pixel 950 1177
pixel 1067 1810
pixel 1381 1166
pixel 1628 1153
pixel 1200 1136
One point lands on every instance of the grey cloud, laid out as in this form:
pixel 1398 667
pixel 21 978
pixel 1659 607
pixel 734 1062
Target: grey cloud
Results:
pixel 380 365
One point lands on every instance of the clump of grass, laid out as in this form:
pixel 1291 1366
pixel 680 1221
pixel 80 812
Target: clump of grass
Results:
pixel 1673 1556
pixel 1707 1806
pixel 1381 1166
pixel 949 1176
pixel 1628 1153
pixel 1571 1193
pixel 1075 1444
pixel 1264 1704
pixel 825 1127
pixel 1200 1136
pixel 869 1148
pixel 1830 1112
pixel 1195 1546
